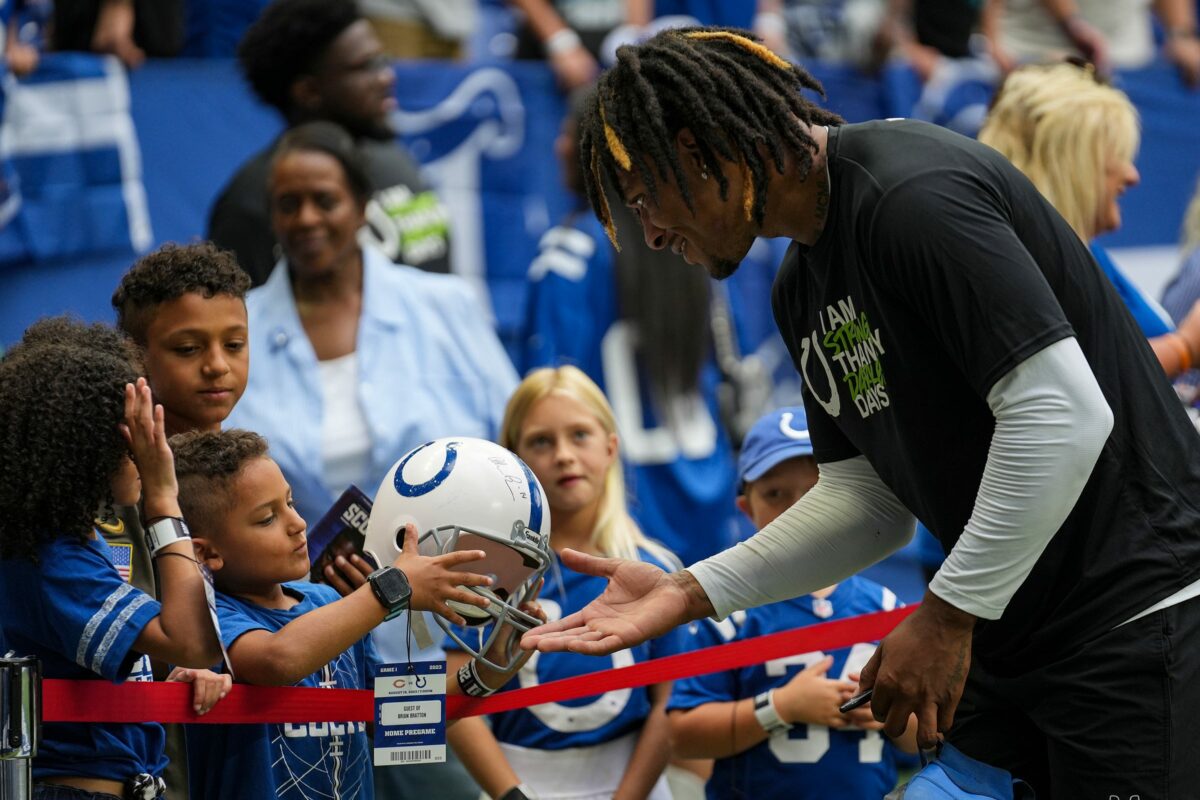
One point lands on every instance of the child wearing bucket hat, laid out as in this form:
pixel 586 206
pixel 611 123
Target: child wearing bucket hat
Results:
pixel 774 729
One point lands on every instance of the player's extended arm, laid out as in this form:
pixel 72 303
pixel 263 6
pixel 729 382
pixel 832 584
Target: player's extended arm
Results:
pixel 1051 425
pixel 848 521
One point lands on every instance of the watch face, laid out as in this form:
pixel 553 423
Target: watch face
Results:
pixel 394 585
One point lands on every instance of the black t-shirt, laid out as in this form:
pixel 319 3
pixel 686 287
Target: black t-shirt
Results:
pixel 940 269
pixel 404 216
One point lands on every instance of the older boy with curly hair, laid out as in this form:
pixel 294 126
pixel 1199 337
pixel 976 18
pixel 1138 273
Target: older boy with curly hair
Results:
pixel 185 306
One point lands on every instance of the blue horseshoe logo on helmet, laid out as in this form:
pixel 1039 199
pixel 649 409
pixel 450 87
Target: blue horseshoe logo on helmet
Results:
pixel 407 489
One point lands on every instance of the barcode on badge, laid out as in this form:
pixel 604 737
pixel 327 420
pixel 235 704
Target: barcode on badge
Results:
pixel 409 756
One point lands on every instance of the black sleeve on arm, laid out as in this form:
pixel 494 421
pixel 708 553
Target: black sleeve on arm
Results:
pixel 944 242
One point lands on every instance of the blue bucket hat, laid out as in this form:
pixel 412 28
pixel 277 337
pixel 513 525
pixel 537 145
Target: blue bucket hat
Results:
pixel 776 437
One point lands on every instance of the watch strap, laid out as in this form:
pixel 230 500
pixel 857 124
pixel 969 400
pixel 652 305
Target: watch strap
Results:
pixel 165 531
pixel 768 715
pixel 519 792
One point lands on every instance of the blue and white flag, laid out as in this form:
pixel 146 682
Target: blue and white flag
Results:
pixel 69 147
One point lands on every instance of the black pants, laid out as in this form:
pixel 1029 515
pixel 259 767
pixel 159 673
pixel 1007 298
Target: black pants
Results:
pixel 1117 718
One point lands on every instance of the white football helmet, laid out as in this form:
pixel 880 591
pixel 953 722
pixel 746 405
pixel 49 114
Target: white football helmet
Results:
pixel 469 494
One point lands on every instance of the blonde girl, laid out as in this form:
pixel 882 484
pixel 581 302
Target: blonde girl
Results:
pixel 614 745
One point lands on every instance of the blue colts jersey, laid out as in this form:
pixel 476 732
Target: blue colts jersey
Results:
pixel 808 762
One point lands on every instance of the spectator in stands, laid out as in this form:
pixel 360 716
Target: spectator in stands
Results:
pixel 1109 33
pixel 1076 137
pixel 129 29
pixel 426 29
pixel 283 631
pixel 22 52
pixel 774 728
pixel 357 360
pixel 1184 289
pixel 70 420
pixel 320 60
pixel 569 34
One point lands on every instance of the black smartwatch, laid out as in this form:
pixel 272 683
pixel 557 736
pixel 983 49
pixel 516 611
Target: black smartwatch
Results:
pixel 391 588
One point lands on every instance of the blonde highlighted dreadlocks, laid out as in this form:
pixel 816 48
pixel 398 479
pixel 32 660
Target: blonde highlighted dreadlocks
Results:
pixel 737 98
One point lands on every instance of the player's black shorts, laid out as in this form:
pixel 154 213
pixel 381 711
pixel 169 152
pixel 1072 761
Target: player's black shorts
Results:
pixel 1117 719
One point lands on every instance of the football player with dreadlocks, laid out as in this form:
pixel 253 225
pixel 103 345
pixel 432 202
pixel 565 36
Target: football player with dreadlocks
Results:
pixel 965 363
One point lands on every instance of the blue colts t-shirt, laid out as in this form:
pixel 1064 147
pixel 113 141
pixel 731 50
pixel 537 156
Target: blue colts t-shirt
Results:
pixel 289 761
pixel 75 613
pixel 808 762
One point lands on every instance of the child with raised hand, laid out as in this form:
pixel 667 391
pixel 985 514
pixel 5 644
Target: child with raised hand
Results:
pixel 560 424
pixel 774 728
pixel 61 452
pixel 281 631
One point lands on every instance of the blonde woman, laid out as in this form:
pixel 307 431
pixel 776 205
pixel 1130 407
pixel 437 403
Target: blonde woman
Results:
pixel 1076 138
pixel 614 745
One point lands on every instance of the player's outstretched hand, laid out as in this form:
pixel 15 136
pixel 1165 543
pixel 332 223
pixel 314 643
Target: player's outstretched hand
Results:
pixel 920 668
pixel 640 602
pixel 434 579
pixel 207 686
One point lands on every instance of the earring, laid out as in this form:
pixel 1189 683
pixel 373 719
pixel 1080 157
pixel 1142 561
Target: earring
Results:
pixel 704 174
pixel 107 519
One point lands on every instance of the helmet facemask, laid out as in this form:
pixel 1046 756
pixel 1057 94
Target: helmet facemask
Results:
pixel 516 565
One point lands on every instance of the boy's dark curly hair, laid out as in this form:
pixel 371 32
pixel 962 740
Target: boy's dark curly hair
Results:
pixel 206 465
pixel 287 41
pixel 169 273
pixel 60 404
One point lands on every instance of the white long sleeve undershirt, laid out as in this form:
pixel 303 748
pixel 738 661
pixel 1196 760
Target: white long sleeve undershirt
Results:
pixel 845 523
pixel 1051 424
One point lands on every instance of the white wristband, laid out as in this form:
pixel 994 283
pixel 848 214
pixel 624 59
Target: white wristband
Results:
pixel 768 715
pixel 562 41
pixel 165 531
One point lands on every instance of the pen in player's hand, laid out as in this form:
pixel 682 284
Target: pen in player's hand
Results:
pixel 860 699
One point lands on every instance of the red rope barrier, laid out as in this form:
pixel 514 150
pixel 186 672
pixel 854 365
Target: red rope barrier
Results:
pixel 101 701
